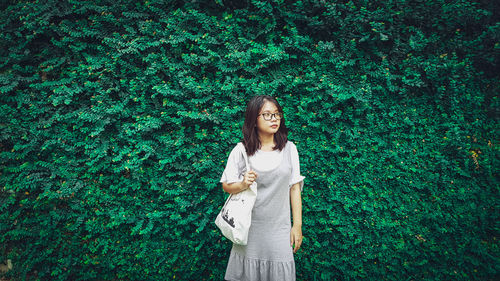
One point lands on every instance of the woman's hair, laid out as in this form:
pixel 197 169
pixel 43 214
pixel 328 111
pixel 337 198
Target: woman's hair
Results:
pixel 250 134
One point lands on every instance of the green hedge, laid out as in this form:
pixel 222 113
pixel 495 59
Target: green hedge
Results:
pixel 117 118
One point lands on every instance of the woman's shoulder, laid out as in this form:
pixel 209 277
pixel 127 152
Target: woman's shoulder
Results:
pixel 292 147
pixel 236 156
pixel 291 144
pixel 237 148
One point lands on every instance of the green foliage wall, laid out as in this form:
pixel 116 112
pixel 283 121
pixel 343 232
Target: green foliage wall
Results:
pixel 117 118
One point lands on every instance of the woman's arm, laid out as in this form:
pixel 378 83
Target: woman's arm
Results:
pixel 296 203
pixel 236 187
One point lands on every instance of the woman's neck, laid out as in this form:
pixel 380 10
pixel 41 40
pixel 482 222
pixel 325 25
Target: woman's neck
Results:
pixel 266 142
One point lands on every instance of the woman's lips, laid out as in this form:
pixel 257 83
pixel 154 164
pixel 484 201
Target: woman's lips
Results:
pixel 274 126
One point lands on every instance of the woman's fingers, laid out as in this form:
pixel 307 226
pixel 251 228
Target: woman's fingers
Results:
pixel 298 242
pixel 251 176
pixel 295 239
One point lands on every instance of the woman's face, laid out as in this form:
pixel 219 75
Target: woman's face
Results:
pixel 268 126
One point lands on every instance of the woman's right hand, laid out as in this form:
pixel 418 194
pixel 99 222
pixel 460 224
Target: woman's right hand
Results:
pixel 249 178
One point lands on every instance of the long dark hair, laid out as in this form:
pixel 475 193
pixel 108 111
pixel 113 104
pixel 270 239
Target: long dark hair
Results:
pixel 250 134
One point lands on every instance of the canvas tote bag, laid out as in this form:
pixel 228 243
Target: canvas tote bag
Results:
pixel 236 216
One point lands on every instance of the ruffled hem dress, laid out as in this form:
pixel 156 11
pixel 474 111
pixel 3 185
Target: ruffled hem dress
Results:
pixel 268 254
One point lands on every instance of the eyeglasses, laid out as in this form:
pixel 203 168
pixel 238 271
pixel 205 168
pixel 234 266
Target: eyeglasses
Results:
pixel 269 116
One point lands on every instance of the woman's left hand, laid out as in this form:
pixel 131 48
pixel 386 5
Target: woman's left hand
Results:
pixel 296 238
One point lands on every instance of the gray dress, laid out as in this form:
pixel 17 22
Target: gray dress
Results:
pixel 268 254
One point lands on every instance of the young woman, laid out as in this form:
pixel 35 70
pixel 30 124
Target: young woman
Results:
pixel 274 164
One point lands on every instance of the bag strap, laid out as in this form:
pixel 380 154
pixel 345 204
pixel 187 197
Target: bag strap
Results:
pixel 245 156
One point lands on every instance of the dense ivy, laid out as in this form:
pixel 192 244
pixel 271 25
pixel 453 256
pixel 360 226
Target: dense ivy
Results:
pixel 118 117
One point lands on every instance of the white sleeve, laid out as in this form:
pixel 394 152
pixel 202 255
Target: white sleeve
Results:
pixel 235 166
pixel 296 177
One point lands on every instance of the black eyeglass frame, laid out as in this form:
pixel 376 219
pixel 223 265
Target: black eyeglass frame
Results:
pixel 280 114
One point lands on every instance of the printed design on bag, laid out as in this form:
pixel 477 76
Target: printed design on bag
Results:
pixel 242 200
pixel 225 216
pixel 235 197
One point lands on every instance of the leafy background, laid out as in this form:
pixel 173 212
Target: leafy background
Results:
pixel 117 118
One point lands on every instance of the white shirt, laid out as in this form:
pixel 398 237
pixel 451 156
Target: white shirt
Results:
pixel 264 160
